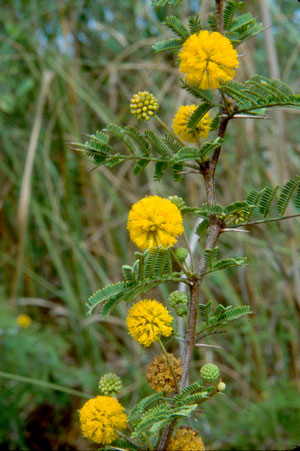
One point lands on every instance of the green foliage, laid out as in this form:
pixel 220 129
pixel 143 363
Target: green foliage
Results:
pixel 144 148
pixel 194 153
pixel 204 94
pixel 114 291
pixel 154 419
pixel 229 11
pixel 137 411
pixel 150 269
pixel 286 195
pixel 193 393
pixel 238 206
pixel 202 227
pixel 242 27
pixel 198 114
pixel 204 211
pixel 194 24
pixel 210 258
pixel 217 320
pixel 212 22
pixel 158 144
pixel 260 92
pixel 297 198
pixel 266 199
pixel 177 26
pixel 169 44
pixel 172 3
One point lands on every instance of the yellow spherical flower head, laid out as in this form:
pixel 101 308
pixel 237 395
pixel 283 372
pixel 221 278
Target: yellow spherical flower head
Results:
pixel 208 59
pixel 153 222
pixel 180 124
pixel 147 320
pixel 100 417
pixel 24 320
pixel 186 439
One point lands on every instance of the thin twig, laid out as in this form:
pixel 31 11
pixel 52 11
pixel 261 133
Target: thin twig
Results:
pixel 260 221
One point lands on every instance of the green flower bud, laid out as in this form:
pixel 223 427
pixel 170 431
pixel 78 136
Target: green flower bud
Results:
pixel 177 298
pixel 178 201
pixel 143 105
pixel 221 386
pixel 182 310
pixel 209 372
pixel 110 384
pixel 181 253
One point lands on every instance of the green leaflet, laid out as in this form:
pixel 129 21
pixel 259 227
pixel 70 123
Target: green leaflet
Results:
pixel 229 12
pixel 204 211
pixel 194 24
pixel 297 198
pixel 212 21
pixel 111 291
pixel 206 95
pixel 177 26
pixel 286 195
pixel 137 411
pixel 237 206
pixel 260 92
pixel 205 310
pixel 158 144
pixel 157 417
pixel 202 227
pixel 161 3
pixel 150 269
pixel 215 320
pixel 210 256
pixel 198 114
pixel 242 27
pixel 266 199
pixel 169 44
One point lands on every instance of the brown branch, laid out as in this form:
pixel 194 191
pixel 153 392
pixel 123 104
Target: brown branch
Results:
pixel 219 5
pixel 208 172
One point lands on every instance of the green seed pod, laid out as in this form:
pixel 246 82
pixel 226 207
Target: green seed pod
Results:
pixel 182 310
pixel 177 298
pixel 178 201
pixel 110 384
pixel 181 253
pixel 143 105
pixel 209 372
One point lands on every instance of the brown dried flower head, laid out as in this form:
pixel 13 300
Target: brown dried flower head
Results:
pixel 186 439
pixel 159 375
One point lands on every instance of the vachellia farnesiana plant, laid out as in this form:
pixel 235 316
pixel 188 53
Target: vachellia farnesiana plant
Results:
pixel 208 59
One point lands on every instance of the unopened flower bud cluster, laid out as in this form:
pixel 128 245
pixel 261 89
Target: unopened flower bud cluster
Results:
pixel 110 384
pixel 209 372
pixel 178 201
pixel 236 218
pixel 143 105
pixel 179 302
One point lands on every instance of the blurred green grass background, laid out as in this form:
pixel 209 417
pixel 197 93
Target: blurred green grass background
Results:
pixel 68 68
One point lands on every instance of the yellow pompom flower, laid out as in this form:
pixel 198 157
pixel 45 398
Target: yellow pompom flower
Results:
pixel 208 59
pixel 153 222
pixel 24 320
pixel 147 320
pixel 100 417
pixel 186 439
pixel 180 124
